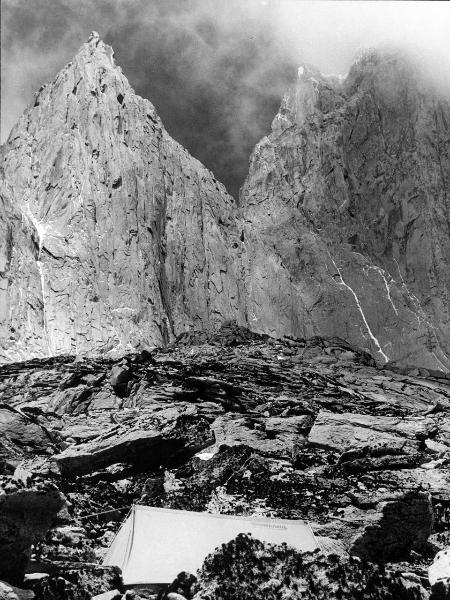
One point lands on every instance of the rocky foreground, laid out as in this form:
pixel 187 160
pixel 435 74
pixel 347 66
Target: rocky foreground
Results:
pixel 235 423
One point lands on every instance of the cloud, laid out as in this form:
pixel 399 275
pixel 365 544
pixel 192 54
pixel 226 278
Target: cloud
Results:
pixel 215 71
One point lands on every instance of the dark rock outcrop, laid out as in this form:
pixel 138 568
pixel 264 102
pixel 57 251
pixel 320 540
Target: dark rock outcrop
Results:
pixel 403 524
pixel 144 444
pixel 77 582
pixel 26 514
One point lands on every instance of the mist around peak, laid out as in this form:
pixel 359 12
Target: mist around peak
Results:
pixel 215 73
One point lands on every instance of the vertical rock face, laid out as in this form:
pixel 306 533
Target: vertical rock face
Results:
pixel 112 236
pixel 21 307
pixel 118 236
pixel 346 213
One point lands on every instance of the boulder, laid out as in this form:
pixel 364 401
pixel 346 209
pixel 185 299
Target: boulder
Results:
pixel 350 430
pixel 9 592
pixel 439 570
pixel 397 527
pixel 77 581
pixel 142 447
pixel 26 514
pixel 119 377
pixel 24 430
pixel 111 595
pixel 248 568
pixel 274 435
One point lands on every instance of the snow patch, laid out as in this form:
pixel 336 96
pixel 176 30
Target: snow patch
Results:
pixel 358 304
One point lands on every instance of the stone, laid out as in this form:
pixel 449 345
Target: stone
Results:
pixel 144 447
pixel 78 581
pixel 402 525
pixel 439 570
pixel 119 377
pixel 26 514
pixel 180 588
pixel 111 595
pixel 347 431
pixel 440 590
pixel 276 435
pixel 9 592
pixel 25 430
pixel 111 225
pixel 246 567
pixel 68 535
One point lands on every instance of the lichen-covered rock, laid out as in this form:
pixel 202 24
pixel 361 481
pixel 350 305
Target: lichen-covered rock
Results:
pixel 346 213
pixel 71 581
pixel 248 569
pixel 133 239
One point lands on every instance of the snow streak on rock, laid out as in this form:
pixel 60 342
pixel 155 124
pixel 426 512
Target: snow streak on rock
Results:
pixel 358 304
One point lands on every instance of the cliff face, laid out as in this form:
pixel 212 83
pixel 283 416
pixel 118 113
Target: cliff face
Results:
pixel 346 213
pixel 21 308
pixel 132 238
pixel 113 236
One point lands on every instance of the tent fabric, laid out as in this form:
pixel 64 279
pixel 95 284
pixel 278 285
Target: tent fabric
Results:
pixel 155 544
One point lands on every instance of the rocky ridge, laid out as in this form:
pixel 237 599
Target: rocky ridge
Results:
pixel 237 423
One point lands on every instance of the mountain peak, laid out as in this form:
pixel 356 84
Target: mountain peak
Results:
pixel 96 49
pixel 94 37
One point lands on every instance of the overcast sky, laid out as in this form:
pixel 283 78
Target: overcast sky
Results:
pixel 215 70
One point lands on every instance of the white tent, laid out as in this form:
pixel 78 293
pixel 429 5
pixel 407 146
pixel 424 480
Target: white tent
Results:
pixel 155 544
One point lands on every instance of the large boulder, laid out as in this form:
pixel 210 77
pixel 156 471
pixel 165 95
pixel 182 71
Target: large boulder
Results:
pixel 77 581
pixel 384 528
pixel 248 569
pixel 26 514
pixel 274 435
pixel 9 592
pixel 348 430
pixel 144 445
pixel 399 526
pixel 439 570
